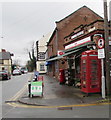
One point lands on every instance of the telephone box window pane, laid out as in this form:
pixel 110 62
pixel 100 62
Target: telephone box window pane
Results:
pixel 84 61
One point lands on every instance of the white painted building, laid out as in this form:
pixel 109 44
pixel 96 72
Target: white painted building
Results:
pixel 40 64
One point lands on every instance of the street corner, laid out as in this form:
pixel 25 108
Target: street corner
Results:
pixel 106 100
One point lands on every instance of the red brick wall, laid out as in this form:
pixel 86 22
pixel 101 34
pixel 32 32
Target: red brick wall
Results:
pixel 66 26
pixel 52 47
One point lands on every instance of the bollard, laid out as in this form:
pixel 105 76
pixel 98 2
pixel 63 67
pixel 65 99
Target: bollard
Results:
pixel 29 88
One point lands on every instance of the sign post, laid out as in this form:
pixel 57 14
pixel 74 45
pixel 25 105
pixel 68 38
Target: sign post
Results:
pixel 101 55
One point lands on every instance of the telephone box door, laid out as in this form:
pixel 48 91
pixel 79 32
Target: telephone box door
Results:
pixel 90 72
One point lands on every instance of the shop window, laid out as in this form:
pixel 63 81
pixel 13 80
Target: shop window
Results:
pixel 6 62
pixel 49 68
pixel 42 67
pixel 1 61
pixel 56 66
pixel 41 55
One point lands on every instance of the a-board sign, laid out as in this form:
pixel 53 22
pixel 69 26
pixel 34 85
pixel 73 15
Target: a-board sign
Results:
pixel 36 88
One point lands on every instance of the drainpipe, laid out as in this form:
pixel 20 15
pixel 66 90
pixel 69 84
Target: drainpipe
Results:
pixel 56 44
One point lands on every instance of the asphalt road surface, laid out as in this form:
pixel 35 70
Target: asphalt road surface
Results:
pixel 11 89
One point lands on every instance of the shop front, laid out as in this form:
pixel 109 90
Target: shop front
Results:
pixel 80 50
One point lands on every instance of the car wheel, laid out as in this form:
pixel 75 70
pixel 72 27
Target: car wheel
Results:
pixel 7 77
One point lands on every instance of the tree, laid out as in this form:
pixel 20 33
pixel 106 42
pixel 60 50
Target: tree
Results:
pixel 31 65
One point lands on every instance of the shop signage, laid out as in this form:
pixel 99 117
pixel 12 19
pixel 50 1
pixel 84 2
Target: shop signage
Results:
pixel 101 43
pixel 92 29
pixel 101 53
pixel 77 43
pixel 60 52
pixel 78 34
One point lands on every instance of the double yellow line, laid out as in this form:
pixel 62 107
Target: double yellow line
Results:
pixel 18 94
pixel 65 106
pixel 14 98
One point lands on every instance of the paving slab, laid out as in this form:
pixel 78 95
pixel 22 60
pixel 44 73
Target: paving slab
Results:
pixel 55 94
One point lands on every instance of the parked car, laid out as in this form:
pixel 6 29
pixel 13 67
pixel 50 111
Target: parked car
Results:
pixel 16 72
pixel 5 75
pixel 24 70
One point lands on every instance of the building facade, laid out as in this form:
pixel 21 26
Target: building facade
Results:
pixel 41 61
pixel 83 38
pixel 5 61
pixel 64 28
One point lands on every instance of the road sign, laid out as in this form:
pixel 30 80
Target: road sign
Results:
pixel 101 53
pixel 100 43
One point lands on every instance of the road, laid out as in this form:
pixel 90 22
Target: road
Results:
pixel 15 86
pixel 10 88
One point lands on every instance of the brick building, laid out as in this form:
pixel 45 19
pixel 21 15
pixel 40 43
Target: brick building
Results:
pixel 65 27
pixel 83 38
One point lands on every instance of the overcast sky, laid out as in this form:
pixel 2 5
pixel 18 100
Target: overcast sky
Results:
pixel 25 22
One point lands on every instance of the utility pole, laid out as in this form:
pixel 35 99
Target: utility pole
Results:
pixel 107 50
pixel 37 58
pixel 37 50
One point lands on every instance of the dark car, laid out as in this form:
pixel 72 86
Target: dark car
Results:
pixel 5 75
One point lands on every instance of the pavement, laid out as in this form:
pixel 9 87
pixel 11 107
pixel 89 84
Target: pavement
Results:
pixel 55 94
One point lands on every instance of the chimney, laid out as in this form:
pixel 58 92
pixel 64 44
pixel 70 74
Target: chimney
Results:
pixel 3 50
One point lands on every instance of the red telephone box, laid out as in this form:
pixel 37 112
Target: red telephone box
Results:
pixel 90 72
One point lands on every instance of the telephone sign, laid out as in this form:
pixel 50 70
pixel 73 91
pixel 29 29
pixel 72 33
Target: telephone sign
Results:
pixel 100 43
pixel 60 53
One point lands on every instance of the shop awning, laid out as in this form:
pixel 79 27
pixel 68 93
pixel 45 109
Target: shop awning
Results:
pixel 71 51
pixel 66 54
pixel 55 58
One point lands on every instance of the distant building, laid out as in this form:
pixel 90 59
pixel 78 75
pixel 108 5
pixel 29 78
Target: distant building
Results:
pixel 41 61
pixel 5 60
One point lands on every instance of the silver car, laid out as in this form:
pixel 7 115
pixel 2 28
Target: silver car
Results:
pixel 16 72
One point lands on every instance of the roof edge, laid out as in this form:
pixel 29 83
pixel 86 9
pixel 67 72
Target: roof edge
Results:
pixel 51 36
pixel 78 10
